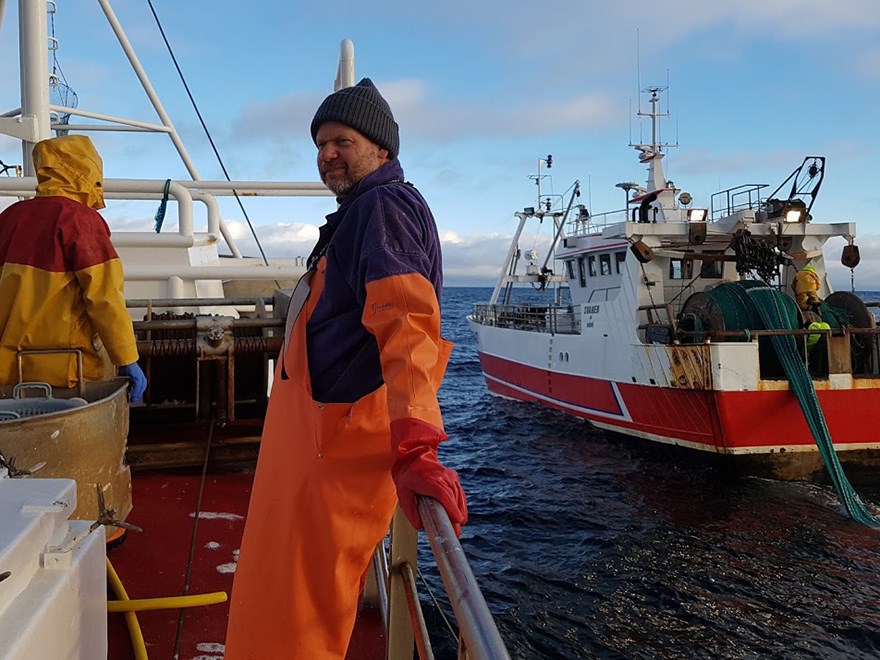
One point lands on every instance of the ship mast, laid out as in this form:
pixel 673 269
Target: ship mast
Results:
pixel 653 153
pixel 659 193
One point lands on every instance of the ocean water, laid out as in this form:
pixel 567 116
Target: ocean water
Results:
pixel 589 546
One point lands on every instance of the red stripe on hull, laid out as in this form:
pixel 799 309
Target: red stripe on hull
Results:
pixel 580 391
pixel 675 413
pixel 711 420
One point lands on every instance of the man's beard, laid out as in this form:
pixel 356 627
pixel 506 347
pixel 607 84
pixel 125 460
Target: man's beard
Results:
pixel 339 186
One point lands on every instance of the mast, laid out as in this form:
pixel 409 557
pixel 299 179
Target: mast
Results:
pixel 34 58
pixel 658 199
pixel 345 68
pixel 653 153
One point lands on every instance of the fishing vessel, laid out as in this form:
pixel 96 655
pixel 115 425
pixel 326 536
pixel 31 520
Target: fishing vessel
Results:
pixel 678 323
pixel 160 490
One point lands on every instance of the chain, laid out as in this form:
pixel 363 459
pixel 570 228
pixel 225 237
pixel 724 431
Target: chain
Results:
pixel 754 256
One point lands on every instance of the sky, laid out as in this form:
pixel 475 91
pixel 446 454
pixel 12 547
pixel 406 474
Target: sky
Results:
pixel 483 91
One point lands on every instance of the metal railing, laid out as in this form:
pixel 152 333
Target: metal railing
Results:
pixel 555 319
pixel 478 637
pixel 585 225
pixel 739 198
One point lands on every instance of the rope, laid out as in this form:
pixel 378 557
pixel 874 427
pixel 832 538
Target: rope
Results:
pixel 774 310
pixel 205 128
pixel 160 212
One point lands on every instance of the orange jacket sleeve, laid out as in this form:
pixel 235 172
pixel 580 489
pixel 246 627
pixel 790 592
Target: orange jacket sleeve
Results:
pixel 403 313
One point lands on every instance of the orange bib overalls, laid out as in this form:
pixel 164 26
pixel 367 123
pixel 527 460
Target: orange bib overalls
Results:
pixel 323 498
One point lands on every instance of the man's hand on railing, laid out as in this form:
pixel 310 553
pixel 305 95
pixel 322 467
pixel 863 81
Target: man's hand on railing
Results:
pixel 417 471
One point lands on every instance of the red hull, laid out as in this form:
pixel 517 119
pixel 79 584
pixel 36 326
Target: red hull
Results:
pixel 715 421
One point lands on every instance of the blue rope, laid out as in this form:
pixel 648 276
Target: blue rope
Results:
pixel 160 212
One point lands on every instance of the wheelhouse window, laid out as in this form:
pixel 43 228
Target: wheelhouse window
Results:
pixel 569 269
pixel 605 264
pixel 591 260
pixel 680 269
pixel 620 257
pixel 711 270
pixel 582 271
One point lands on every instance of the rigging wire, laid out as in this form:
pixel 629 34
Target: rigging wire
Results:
pixel 195 531
pixel 436 604
pixel 205 128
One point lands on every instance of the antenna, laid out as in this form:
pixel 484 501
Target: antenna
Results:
pixel 638 71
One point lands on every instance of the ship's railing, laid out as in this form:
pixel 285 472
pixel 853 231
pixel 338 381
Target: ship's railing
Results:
pixel 401 610
pixel 185 193
pixel 854 351
pixel 739 198
pixel 555 319
pixel 582 225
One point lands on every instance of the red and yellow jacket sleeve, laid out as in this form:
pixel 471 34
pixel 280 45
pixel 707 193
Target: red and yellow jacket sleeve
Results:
pixel 102 290
pixel 98 271
pixel 403 313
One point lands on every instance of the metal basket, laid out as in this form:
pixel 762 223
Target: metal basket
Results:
pixel 20 406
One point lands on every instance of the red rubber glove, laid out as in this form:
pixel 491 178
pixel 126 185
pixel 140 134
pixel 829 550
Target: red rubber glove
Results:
pixel 416 470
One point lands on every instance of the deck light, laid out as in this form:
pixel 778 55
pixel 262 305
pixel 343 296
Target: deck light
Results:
pixel 795 211
pixel 789 211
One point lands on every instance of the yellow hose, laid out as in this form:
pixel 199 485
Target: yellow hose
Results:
pixel 134 628
pixel 168 603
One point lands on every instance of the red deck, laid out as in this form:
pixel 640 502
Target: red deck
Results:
pixel 152 564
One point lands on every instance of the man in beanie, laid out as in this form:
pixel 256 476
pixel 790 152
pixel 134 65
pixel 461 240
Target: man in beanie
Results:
pixel 353 423
pixel 61 281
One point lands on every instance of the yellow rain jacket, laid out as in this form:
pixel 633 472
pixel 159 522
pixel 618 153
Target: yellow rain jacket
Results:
pixel 61 280
pixel 806 287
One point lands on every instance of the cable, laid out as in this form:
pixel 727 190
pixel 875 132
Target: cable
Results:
pixel 192 545
pixel 437 605
pixel 205 128
pixel 167 603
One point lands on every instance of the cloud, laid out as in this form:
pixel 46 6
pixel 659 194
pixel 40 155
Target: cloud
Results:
pixel 868 64
pixel 425 116
pixel 282 118
pixel 865 276
pixel 279 240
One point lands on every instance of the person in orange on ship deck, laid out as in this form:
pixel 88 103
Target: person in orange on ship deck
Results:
pixel 353 423
pixel 61 281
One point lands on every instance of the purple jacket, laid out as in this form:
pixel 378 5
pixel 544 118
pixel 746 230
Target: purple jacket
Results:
pixel 382 228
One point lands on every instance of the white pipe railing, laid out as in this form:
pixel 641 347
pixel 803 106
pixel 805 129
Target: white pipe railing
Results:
pixel 25 187
pixel 260 188
pixel 133 124
pixel 257 272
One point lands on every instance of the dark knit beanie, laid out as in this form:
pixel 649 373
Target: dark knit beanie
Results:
pixel 363 108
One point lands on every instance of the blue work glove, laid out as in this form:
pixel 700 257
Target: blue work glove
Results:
pixel 138 381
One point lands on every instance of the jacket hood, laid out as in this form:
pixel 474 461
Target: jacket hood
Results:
pixel 69 166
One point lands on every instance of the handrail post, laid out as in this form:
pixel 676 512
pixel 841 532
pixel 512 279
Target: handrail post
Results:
pixel 403 550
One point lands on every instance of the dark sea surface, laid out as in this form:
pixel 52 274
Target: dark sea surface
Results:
pixel 589 546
